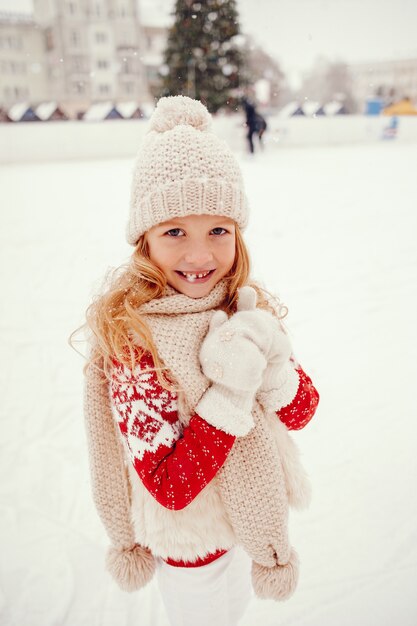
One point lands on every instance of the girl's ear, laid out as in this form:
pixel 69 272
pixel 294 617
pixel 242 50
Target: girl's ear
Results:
pixel 247 299
pixel 218 319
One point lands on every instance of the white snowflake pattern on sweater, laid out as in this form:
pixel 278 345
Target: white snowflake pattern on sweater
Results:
pixel 143 409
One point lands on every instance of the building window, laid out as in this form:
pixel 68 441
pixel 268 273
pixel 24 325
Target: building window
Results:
pixel 104 89
pixel 21 92
pixel 18 44
pixel 102 64
pixel 75 38
pixel 77 64
pixel 101 37
pixel 129 88
pixel 71 8
pixel 11 42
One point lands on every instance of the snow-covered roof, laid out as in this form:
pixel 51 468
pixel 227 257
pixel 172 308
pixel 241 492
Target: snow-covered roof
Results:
pixel 126 109
pixel 289 109
pixel 332 108
pixel 147 108
pixel 17 111
pixel 309 107
pixel 98 111
pixel 45 110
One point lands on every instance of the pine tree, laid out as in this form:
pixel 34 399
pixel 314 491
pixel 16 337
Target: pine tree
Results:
pixel 201 59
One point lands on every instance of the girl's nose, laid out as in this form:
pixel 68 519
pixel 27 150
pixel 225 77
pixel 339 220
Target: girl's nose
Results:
pixel 198 256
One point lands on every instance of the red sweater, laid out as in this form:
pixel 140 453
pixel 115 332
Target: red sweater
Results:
pixel 175 463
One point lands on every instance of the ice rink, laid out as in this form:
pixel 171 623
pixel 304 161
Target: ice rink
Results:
pixel 333 232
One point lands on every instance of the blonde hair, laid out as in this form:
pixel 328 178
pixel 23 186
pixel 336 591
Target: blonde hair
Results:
pixel 112 316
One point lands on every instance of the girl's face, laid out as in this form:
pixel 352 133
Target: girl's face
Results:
pixel 194 252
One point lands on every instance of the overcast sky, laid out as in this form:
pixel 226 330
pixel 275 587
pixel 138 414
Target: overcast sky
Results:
pixel 296 32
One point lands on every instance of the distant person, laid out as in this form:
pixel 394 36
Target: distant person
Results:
pixel 261 127
pixel 255 123
pixel 251 125
pixel 390 132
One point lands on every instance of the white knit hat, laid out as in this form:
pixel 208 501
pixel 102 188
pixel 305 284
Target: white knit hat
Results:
pixel 183 169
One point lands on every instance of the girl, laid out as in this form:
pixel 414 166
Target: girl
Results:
pixel 191 388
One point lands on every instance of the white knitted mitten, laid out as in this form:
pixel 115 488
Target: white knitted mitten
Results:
pixel 233 356
pixel 266 331
pixel 233 361
pixel 235 366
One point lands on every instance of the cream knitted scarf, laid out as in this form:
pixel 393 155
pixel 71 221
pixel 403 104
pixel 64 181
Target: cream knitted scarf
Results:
pixel 261 473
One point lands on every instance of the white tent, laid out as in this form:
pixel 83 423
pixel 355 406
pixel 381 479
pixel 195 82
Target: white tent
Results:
pixel 333 108
pixel 310 108
pixel 46 110
pixel 128 109
pixel 100 111
pixel 289 109
pixel 17 111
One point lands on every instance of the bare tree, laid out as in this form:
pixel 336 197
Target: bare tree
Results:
pixel 328 81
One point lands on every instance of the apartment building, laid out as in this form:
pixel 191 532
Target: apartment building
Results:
pixel 93 50
pixel 79 52
pixel 23 74
pixel 390 80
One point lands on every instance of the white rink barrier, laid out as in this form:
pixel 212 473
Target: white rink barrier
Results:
pixel 51 141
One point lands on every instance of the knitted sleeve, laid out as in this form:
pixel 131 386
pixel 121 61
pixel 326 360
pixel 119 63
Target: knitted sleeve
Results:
pixel 297 397
pixel 174 463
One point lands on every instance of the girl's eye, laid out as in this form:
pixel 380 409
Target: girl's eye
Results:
pixel 177 232
pixel 174 232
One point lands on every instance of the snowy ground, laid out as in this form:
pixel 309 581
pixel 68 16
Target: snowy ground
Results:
pixel 333 232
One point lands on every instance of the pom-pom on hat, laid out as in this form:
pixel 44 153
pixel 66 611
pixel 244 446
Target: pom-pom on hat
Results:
pixel 183 169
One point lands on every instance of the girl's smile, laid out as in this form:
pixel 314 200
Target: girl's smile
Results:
pixel 194 252
pixel 196 277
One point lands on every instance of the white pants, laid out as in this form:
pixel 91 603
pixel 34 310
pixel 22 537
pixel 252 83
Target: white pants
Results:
pixel 216 594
